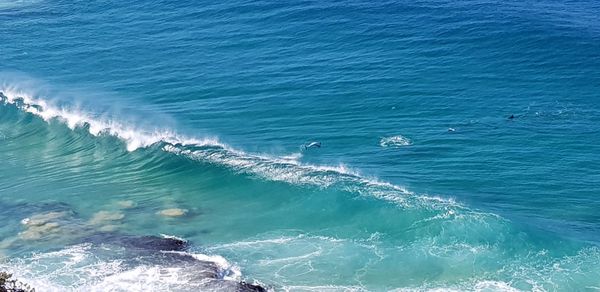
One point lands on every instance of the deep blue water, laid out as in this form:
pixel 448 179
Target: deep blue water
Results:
pixel 422 180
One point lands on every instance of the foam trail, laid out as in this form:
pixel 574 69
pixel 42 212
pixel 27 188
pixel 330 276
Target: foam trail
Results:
pixel 294 172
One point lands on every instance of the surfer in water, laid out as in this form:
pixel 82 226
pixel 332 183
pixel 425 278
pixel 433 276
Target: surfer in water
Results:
pixel 311 145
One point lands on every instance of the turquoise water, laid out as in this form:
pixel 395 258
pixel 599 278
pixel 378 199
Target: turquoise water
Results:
pixel 113 112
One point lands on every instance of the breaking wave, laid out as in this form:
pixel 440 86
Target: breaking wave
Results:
pixel 285 169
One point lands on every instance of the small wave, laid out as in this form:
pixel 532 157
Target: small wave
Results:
pixel 16 4
pixel 227 271
pixel 173 237
pixel 395 141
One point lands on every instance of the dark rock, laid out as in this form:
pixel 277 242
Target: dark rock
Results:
pixel 138 243
pixel 251 287
pixel 225 285
pixel 7 284
pixel 155 243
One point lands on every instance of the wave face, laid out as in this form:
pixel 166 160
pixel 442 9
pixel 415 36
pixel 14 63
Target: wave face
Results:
pixel 188 120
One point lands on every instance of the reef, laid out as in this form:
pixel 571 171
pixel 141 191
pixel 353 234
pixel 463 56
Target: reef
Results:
pixel 167 255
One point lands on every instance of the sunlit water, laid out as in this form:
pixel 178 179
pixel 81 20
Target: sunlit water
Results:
pixel 189 119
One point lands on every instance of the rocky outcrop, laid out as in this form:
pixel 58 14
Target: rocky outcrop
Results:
pixel 7 284
pixel 170 253
pixel 57 223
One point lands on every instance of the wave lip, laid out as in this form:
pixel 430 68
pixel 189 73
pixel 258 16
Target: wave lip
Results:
pixel 134 137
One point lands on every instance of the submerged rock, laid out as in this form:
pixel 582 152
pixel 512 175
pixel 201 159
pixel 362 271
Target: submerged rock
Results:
pixel 42 219
pixel 138 245
pixel 173 212
pixel 42 225
pixel 164 255
pixel 156 243
pixel 6 243
pixel 109 228
pixel 103 217
pixel 145 256
pixel 106 221
pixel 38 231
pixel 126 204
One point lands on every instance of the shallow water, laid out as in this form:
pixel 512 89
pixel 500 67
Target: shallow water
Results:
pixel 112 113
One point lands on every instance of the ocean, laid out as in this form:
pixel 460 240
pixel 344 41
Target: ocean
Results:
pixel 162 145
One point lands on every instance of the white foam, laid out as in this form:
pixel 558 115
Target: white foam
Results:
pixel 77 268
pixel 295 172
pixel 237 244
pixel 142 278
pixel 71 256
pixel 272 168
pixel 480 286
pixel 494 286
pixel 395 141
pixel 300 258
pixel 226 270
